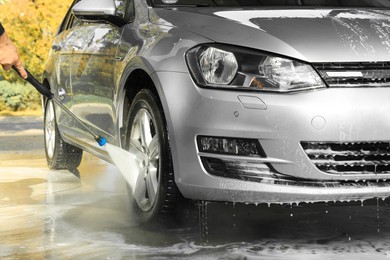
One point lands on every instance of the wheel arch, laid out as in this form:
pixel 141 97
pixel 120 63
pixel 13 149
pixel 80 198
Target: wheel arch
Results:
pixel 46 83
pixel 137 79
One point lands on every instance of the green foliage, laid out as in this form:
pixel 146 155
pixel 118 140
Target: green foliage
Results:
pixel 32 26
pixel 17 97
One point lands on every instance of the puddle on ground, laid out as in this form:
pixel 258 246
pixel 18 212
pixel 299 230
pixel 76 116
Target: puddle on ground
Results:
pixel 48 214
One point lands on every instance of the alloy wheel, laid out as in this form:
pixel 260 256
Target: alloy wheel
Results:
pixel 145 145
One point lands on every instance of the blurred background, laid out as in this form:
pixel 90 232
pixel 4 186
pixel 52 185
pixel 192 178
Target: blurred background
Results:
pixel 32 26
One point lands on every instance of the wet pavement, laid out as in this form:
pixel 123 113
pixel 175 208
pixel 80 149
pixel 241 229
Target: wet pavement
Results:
pixel 47 214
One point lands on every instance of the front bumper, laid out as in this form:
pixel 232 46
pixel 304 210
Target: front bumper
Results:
pixel 280 122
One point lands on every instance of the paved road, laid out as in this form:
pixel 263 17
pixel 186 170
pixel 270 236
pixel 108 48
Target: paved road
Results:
pixel 51 214
pixel 47 214
pixel 12 124
pixel 21 134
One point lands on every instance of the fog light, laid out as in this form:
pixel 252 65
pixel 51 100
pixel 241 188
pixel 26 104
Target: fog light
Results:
pixel 251 171
pixel 233 146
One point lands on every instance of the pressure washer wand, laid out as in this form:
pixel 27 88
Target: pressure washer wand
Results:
pixel 47 93
pixel 101 140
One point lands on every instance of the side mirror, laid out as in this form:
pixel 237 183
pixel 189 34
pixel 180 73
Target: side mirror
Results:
pixel 103 10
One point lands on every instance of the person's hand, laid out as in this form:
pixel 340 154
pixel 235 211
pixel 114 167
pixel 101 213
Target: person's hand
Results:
pixel 9 56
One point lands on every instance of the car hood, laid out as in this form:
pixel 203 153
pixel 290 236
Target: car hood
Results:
pixel 313 35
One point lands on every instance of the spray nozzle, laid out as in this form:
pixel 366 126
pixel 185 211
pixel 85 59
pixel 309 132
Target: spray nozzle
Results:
pixel 101 140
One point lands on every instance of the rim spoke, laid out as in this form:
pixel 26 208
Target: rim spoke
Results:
pixel 136 150
pixel 140 188
pixel 146 135
pixel 50 148
pixel 144 203
pixel 51 144
pixel 154 149
pixel 50 130
pixel 151 185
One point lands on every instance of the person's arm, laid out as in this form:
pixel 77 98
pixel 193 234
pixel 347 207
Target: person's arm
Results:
pixel 9 55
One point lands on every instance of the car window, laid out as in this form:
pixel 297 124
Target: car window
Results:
pixel 68 19
pixel 125 8
pixel 317 3
pixel 74 21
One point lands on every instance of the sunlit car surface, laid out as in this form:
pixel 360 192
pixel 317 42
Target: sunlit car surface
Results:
pixel 257 101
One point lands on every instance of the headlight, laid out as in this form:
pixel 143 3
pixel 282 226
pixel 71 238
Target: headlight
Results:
pixel 217 66
pixel 223 66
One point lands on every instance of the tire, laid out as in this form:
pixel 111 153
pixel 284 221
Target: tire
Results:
pixel 59 155
pixel 156 195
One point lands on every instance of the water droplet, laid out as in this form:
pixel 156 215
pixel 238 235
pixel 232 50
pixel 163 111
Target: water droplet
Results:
pixel 269 205
pixel 349 239
pixel 377 215
pixel 326 211
pixel 291 215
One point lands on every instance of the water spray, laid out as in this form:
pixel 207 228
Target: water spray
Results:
pixel 125 161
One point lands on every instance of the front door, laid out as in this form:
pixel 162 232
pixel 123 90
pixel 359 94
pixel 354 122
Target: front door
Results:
pixel 92 77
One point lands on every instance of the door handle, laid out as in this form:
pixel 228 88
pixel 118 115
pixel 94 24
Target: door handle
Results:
pixel 76 47
pixel 56 47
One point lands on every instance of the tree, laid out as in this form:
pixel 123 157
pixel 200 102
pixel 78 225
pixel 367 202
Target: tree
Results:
pixel 32 25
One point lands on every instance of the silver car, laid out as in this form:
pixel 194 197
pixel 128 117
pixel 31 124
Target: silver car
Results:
pixel 255 101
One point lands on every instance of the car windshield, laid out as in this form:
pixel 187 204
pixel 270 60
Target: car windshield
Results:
pixel 269 3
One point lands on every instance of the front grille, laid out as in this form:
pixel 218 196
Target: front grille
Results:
pixel 349 158
pixel 357 74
